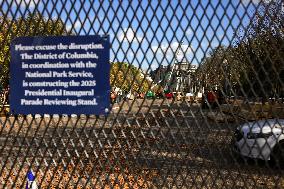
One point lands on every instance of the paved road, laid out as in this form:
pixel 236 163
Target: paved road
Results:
pixel 174 138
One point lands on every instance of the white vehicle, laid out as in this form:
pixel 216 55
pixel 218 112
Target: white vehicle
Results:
pixel 262 139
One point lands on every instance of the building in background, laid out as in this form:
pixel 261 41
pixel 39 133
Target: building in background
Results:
pixel 183 76
pixel 176 78
pixel 159 75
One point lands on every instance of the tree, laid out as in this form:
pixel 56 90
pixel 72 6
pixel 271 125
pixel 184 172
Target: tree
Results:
pixel 33 25
pixel 261 48
pixel 128 78
pixel 253 65
pixel 221 69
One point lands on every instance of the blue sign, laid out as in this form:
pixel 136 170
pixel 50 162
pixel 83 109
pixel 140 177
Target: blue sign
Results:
pixel 60 75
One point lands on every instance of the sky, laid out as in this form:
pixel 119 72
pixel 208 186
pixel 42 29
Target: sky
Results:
pixel 148 34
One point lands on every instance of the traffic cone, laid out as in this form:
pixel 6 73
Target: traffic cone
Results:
pixel 31 183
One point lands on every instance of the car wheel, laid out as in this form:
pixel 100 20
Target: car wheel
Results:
pixel 277 155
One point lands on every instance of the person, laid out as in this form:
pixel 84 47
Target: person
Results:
pixel 209 99
pixel 112 97
pixel 6 95
pixel 118 96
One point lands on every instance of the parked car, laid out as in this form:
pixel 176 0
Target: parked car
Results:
pixel 141 95
pixel 178 96
pixel 130 96
pixel 150 94
pixel 262 139
pixel 189 97
pixel 168 94
pixel 159 95
pixel 210 99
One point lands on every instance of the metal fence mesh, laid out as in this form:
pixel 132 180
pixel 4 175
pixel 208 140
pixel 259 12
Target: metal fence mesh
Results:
pixel 185 74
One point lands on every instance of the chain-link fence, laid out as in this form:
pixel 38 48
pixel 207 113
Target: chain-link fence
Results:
pixel 197 97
